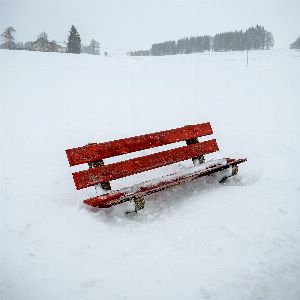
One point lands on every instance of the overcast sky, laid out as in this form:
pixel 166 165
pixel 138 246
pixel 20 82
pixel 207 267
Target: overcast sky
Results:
pixel 136 24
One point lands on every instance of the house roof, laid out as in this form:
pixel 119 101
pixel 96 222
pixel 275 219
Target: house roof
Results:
pixel 41 40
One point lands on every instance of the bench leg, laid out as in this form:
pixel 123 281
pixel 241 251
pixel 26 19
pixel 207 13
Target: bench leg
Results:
pixel 139 203
pixel 234 171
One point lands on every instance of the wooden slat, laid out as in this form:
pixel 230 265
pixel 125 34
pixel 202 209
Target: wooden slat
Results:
pixel 94 152
pixel 129 167
pixel 116 197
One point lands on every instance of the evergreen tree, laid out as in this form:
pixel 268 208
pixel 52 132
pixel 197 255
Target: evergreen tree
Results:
pixel 269 40
pixel 9 40
pixel 74 41
pixel 28 45
pixel 19 46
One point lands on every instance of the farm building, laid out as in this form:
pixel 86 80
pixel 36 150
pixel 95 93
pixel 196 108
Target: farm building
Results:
pixel 46 46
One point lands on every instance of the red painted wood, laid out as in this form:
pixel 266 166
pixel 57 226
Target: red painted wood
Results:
pixel 129 167
pixel 94 152
pixel 120 196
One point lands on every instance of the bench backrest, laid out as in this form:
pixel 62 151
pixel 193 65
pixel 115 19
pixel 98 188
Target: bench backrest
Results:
pixel 93 154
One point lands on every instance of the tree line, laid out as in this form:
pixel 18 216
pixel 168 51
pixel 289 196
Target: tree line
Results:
pixel 73 45
pixel 253 38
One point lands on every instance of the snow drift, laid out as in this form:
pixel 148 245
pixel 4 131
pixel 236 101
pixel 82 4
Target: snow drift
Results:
pixel 202 240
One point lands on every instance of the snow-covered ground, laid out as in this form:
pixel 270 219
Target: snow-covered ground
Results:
pixel 203 240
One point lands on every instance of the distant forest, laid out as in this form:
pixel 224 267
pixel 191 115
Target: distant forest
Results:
pixel 253 38
pixel 296 44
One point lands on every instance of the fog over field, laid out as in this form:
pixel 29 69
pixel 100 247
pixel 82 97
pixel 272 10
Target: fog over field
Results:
pixel 237 240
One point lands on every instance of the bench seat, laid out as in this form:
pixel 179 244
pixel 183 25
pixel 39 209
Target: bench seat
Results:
pixel 145 188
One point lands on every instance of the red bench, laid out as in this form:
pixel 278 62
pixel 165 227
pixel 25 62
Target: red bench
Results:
pixel 100 174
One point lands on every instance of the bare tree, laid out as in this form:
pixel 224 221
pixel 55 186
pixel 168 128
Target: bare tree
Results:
pixel 95 47
pixel 43 36
pixel 7 36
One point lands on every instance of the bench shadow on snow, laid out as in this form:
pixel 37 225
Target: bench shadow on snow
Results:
pixel 171 201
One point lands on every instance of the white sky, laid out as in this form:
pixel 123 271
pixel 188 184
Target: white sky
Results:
pixel 136 24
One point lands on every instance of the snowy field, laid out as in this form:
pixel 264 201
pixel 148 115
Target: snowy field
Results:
pixel 203 240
